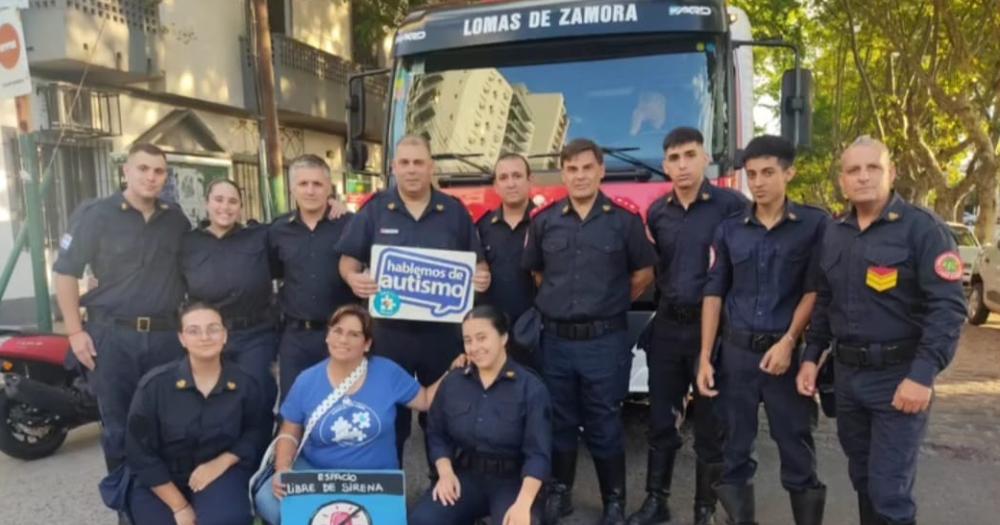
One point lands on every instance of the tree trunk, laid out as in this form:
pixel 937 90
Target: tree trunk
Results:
pixel 986 224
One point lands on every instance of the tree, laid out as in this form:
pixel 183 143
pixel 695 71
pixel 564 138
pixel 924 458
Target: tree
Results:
pixel 372 21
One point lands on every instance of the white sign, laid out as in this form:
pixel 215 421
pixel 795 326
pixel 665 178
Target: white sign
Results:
pixel 16 4
pixel 420 284
pixel 14 77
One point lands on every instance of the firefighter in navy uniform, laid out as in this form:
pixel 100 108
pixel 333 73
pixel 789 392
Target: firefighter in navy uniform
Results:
pixel 762 284
pixel 891 307
pixel 131 242
pixel 502 232
pixel 411 213
pixel 682 224
pixel 591 258
pixel 303 256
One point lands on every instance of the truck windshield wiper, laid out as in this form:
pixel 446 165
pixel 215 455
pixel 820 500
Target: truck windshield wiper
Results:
pixel 464 159
pixel 620 154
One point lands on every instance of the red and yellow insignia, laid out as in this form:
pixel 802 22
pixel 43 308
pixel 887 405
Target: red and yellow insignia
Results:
pixel 881 278
pixel 948 266
pixel 627 204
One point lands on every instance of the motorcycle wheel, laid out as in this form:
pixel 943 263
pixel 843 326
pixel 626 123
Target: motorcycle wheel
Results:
pixel 22 437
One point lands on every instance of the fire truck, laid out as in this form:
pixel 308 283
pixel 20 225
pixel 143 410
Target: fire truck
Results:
pixel 482 79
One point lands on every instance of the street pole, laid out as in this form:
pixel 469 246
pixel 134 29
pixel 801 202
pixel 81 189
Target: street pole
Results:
pixel 268 106
pixel 33 197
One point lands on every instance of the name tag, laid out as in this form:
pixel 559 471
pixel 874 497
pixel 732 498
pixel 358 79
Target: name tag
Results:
pixel 389 231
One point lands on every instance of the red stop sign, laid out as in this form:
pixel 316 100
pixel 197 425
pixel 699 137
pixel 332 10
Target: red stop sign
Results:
pixel 10 46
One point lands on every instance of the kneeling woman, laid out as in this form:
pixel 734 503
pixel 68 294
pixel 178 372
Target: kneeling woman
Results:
pixel 489 434
pixel 196 430
pixel 358 430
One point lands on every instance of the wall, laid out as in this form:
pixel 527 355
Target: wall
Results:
pixel 323 24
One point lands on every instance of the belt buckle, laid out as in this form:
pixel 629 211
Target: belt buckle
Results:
pixel 308 325
pixel 143 324
pixel 759 342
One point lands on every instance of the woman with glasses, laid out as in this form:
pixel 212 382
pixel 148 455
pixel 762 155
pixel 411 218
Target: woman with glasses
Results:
pixel 357 431
pixel 225 263
pixel 195 432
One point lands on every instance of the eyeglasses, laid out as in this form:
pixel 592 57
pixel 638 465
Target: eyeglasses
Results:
pixel 213 331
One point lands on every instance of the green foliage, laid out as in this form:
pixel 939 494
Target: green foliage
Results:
pixel 373 20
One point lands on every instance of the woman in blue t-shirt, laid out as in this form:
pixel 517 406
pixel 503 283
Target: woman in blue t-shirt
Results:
pixel 358 431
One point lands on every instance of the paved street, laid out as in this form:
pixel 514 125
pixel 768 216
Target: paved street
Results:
pixel 959 472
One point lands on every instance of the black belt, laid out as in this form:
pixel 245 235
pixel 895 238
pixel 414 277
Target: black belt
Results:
pixel 304 324
pixel 583 330
pixel 683 314
pixel 758 343
pixel 486 464
pixel 243 322
pixel 875 355
pixel 139 324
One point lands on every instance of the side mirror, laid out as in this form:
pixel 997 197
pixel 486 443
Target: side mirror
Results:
pixel 796 107
pixel 356 107
pixel 357 155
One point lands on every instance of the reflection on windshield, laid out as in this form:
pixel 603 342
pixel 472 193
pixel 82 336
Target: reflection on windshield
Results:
pixel 627 102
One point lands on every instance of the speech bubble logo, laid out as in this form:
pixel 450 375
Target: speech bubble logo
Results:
pixel 439 285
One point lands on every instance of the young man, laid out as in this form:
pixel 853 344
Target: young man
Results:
pixel 502 232
pixel 682 223
pixel 131 242
pixel 591 259
pixel 890 302
pixel 762 285
pixel 303 258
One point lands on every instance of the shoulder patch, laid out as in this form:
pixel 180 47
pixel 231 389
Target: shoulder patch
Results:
pixel 543 207
pixel 948 266
pixel 626 204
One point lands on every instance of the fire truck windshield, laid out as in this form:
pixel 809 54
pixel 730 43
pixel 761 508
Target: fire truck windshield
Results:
pixel 490 101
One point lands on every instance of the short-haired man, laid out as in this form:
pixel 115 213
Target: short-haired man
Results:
pixel 303 257
pixel 762 287
pixel 411 213
pixel 591 258
pixel 131 242
pixel 502 232
pixel 682 224
pixel 890 304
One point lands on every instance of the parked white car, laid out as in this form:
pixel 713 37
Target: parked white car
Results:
pixel 984 294
pixel 968 250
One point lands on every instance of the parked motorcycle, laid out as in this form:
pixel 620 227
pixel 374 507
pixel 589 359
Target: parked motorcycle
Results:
pixel 40 399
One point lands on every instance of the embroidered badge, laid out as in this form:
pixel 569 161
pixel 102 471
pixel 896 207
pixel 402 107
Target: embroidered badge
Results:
pixel 948 266
pixel 66 241
pixel 881 278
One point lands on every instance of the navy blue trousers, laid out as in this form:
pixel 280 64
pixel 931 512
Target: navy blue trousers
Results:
pixel 673 363
pixel 588 381
pixel 123 357
pixel 254 350
pixel 298 350
pixel 881 442
pixel 743 387
pixel 223 502
pixel 482 496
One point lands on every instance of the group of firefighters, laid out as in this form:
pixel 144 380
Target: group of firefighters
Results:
pixel 752 296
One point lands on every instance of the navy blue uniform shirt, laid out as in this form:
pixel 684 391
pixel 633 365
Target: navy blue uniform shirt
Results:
pixel 899 280
pixel 172 428
pixel 512 288
pixel 444 225
pixel 761 273
pixel 586 265
pixel 135 262
pixel 307 261
pixel 232 272
pixel 683 238
pixel 511 419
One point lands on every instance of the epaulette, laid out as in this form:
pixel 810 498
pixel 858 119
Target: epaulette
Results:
pixel 626 204
pixel 543 207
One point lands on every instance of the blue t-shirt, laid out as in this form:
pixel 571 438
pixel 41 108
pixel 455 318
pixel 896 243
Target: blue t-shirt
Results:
pixel 359 432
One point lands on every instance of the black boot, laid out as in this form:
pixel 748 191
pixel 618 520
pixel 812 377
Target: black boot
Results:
pixel 738 502
pixel 807 505
pixel 659 473
pixel 559 501
pixel 867 511
pixel 706 476
pixel 611 478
